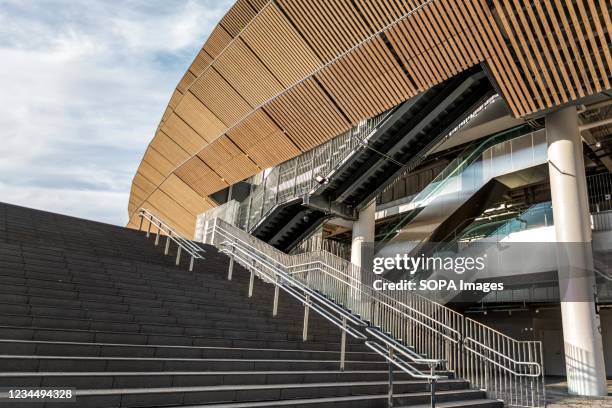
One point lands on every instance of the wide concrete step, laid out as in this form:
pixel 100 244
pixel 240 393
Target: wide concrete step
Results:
pixel 58 348
pixel 210 319
pixel 361 401
pixel 158 306
pixel 42 286
pixel 29 363
pixel 38 321
pixel 105 336
pixel 259 395
pixel 151 379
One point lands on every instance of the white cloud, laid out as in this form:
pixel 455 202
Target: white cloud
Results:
pixel 83 85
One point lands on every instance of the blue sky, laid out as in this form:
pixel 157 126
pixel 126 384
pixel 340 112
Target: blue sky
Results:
pixel 83 85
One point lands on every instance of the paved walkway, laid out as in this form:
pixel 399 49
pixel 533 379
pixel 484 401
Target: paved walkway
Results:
pixel 557 396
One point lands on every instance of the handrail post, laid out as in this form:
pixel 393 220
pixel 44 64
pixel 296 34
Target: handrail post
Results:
pixel 141 220
pixel 252 280
pixel 306 312
pixel 157 235
pixel 167 247
pixel 433 393
pixel 191 264
pixel 432 369
pixel 230 269
pixel 276 294
pixel 343 345
pixel 390 397
pixel 149 229
pixel 178 255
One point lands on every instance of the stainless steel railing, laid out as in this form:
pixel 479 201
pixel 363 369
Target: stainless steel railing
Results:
pixel 162 228
pixel 265 267
pixel 506 368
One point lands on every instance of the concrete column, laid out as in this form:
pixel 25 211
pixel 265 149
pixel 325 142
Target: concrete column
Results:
pixel 581 327
pixel 363 232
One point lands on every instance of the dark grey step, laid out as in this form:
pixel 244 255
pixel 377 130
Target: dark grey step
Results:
pixel 27 347
pixel 294 395
pixel 162 329
pixel 210 319
pixel 101 380
pixel 477 403
pixel 26 363
pixel 54 290
pixel 362 401
pixel 102 336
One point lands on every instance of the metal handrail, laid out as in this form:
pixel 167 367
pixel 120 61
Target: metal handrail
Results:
pixel 258 261
pixel 324 268
pixel 405 351
pixel 538 367
pixel 306 299
pixel 183 244
pixel 431 328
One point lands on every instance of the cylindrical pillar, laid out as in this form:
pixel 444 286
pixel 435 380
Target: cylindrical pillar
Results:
pixel 363 232
pixel 581 327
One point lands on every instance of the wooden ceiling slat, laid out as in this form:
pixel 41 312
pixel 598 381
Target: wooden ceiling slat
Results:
pixel 285 54
pixel 159 161
pixel 406 52
pixel 227 160
pixel 453 32
pixel 588 22
pixel 247 74
pixel 172 212
pixel 527 68
pixel 263 141
pixel 258 4
pixel 218 40
pixel 434 36
pixel 174 99
pixel 185 82
pixel 183 134
pixel 557 66
pixel 193 202
pixel 144 184
pixel 607 23
pixel 509 79
pixel 201 178
pixel 459 15
pixel 220 97
pixel 199 117
pixel 583 51
pixel 577 57
pixel 200 63
pixel 171 150
pixel 539 65
pixel 556 39
pixel 139 193
pixel 238 16
pixel 150 172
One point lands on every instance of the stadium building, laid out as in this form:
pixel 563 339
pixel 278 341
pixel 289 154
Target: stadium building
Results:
pixel 306 140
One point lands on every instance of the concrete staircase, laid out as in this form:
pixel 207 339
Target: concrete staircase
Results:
pixel 99 309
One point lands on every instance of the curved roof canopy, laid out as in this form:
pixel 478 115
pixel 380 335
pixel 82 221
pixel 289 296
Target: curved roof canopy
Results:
pixel 275 79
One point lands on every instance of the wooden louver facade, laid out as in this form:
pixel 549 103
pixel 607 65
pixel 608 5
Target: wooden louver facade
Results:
pixel 277 78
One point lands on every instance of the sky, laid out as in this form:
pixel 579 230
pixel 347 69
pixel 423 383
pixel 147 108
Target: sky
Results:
pixel 83 85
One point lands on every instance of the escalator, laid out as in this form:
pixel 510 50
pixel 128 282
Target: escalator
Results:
pixel 398 144
pixel 471 183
